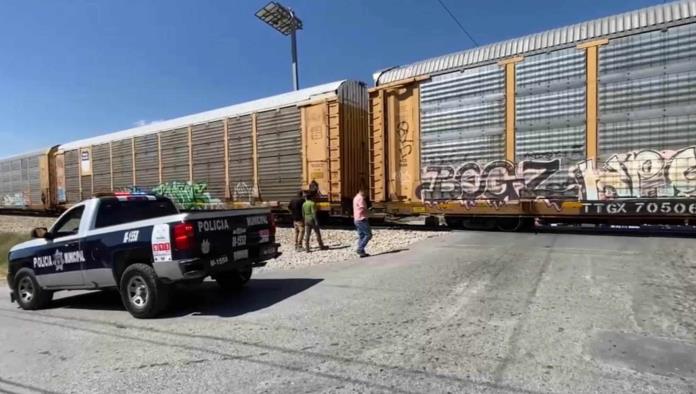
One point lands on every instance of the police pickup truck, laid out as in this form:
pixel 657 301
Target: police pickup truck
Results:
pixel 140 245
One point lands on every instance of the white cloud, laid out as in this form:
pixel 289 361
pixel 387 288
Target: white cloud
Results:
pixel 143 122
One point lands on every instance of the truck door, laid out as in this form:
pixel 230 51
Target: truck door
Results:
pixel 62 257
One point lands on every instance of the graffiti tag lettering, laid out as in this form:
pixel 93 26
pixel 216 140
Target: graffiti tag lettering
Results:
pixel 188 196
pixel 14 200
pixel 639 174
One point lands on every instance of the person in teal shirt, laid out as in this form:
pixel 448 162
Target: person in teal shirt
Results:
pixel 309 212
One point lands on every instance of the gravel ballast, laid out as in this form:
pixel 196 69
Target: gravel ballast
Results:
pixel 23 224
pixel 341 243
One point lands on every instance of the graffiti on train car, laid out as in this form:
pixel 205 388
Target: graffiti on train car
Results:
pixel 243 192
pixel 639 174
pixel 188 196
pixel 14 200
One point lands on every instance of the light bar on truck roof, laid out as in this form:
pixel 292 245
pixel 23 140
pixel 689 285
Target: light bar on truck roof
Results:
pixel 130 194
pixel 135 197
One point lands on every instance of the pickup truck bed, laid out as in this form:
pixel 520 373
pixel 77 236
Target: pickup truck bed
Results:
pixel 97 244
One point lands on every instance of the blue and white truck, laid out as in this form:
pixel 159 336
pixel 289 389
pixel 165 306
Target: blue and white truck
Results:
pixel 140 245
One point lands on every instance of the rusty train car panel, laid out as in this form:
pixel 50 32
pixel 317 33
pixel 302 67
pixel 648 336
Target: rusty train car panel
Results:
pixel 395 143
pixel 598 124
pixel 351 131
pixel 335 145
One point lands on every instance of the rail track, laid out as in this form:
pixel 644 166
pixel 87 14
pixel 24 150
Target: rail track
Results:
pixel 415 224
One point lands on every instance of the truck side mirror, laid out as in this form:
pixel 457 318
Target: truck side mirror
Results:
pixel 39 232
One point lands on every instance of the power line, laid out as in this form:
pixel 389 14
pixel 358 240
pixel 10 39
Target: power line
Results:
pixel 458 23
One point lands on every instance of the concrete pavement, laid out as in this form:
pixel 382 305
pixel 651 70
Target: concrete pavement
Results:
pixel 467 312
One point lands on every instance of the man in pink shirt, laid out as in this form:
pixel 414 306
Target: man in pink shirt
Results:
pixel 361 222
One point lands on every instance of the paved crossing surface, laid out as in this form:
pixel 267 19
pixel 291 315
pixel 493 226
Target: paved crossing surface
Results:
pixel 466 312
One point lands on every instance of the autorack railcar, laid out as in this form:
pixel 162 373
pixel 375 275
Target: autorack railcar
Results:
pixel 593 122
pixel 25 181
pixel 590 122
pixel 257 153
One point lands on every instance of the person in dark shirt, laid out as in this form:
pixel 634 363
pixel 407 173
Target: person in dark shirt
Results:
pixel 297 219
pixel 313 189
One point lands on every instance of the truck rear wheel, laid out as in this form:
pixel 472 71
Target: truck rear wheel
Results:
pixel 234 280
pixel 142 293
pixel 30 296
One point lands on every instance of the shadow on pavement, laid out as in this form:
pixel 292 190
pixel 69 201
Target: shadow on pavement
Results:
pixel 390 252
pixel 203 299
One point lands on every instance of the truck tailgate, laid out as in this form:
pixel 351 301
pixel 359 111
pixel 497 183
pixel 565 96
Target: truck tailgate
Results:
pixel 227 239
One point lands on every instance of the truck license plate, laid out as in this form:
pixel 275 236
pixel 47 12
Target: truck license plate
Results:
pixel 219 261
pixel 268 251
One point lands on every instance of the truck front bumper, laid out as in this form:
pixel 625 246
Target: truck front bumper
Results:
pixel 10 284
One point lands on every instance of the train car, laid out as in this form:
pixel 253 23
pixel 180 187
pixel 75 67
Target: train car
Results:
pixel 260 152
pixel 594 122
pixel 25 182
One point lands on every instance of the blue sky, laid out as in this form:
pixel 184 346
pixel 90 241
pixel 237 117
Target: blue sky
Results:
pixel 77 68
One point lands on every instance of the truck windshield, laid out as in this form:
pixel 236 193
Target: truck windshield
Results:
pixel 113 212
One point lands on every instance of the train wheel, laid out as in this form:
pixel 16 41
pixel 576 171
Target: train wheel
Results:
pixel 432 221
pixel 512 224
pixel 454 222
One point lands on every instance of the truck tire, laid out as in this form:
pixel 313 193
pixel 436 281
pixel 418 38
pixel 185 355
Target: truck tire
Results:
pixel 234 280
pixel 30 296
pixel 142 293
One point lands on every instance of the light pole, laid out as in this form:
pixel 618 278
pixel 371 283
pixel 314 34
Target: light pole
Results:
pixel 285 21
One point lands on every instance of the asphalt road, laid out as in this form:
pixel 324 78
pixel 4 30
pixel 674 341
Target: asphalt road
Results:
pixel 466 312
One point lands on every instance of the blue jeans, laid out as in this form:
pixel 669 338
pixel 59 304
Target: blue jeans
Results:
pixel 364 234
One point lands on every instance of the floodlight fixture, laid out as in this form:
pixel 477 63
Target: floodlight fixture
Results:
pixel 284 20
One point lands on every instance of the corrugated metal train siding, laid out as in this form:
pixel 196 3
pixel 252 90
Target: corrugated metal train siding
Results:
pixel 86 183
pixel 462 117
pixel 646 18
pixel 20 182
pixel 101 168
pixel 146 161
pixel 353 134
pixel 72 182
pixel 208 142
pixel 122 163
pixel 241 167
pixel 33 180
pixel 175 156
pixel 550 112
pixel 16 178
pixel 5 177
pixel 280 154
pixel 647 94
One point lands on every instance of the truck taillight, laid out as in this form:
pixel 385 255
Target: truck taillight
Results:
pixel 183 236
pixel 272 224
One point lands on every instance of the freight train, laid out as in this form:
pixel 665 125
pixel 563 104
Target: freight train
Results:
pixel 258 153
pixel 593 122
